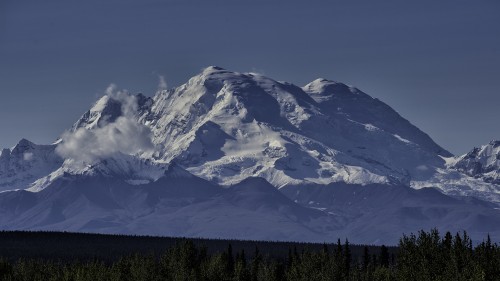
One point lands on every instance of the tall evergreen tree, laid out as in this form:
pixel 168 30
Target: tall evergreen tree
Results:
pixel 230 259
pixel 347 258
pixel 366 258
pixel 384 256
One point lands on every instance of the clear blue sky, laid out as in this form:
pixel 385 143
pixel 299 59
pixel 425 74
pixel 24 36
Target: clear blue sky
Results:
pixel 436 62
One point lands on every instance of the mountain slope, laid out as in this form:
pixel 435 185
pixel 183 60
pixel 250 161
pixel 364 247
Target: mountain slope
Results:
pixel 177 204
pixel 340 99
pixel 180 204
pixel 380 214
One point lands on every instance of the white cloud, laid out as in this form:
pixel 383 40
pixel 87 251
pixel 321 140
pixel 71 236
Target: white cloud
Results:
pixel 111 89
pixel 162 84
pixel 125 135
pixel 422 168
pixel 28 156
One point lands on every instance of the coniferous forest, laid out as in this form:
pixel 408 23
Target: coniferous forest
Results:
pixel 70 256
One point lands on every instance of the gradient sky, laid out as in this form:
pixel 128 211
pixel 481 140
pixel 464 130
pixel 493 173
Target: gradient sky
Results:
pixel 435 62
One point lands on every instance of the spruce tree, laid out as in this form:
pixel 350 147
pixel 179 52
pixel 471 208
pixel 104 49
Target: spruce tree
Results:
pixel 366 258
pixel 384 256
pixel 347 259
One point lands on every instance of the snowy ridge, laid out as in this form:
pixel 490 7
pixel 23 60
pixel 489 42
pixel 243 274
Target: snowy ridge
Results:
pixel 131 169
pixel 25 163
pixel 482 163
pixel 476 174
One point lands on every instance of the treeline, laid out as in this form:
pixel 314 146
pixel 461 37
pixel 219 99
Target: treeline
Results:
pixel 69 246
pixel 425 256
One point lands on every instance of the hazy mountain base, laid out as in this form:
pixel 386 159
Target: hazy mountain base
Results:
pixel 180 204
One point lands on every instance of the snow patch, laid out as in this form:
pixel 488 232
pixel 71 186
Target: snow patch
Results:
pixel 370 127
pixel 401 139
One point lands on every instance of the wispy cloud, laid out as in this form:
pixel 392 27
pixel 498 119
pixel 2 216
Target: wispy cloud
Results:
pixel 162 84
pixel 125 135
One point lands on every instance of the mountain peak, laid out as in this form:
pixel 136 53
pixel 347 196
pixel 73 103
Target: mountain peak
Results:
pixel 212 69
pixel 105 109
pixel 482 162
pixel 495 143
pixel 328 88
pixel 22 146
pixel 321 80
pixel 24 141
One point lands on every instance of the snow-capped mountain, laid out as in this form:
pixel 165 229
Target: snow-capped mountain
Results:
pixel 226 126
pixel 473 174
pixel 25 163
pixel 240 155
pixel 482 163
